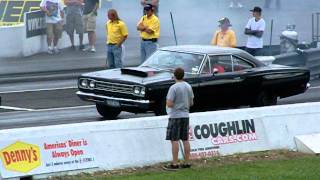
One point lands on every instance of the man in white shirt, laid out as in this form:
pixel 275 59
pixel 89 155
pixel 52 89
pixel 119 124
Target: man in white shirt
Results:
pixel 254 29
pixel 54 20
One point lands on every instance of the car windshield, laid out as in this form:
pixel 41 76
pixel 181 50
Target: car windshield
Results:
pixel 170 60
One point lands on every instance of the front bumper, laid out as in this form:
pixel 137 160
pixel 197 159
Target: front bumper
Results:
pixel 122 103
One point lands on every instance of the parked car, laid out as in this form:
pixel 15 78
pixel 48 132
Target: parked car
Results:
pixel 220 77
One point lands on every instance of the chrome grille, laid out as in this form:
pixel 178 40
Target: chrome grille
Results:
pixel 114 87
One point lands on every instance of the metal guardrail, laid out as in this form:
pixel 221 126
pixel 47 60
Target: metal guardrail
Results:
pixel 309 58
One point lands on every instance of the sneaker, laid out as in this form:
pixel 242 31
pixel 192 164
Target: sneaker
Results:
pixel 56 50
pixel 73 47
pixel 185 165
pixel 50 51
pixel 93 50
pixel 86 49
pixel 171 167
pixel 231 5
pixel 81 47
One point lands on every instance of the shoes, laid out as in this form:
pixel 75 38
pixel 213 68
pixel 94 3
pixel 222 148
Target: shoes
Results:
pixel 231 5
pixel 90 49
pixel 50 51
pixel 73 47
pixel 171 167
pixel 81 47
pixel 185 165
pixel 56 50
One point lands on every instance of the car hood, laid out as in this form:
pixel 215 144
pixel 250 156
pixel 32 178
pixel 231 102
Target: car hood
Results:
pixel 137 75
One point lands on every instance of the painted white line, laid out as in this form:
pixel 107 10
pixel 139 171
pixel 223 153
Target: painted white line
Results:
pixel 37 90
pixel 16 108
pixel 64 108
pixel 316 87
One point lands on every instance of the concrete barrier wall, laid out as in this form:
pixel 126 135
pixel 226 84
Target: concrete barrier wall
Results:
pixel 139 142
pixel 13 42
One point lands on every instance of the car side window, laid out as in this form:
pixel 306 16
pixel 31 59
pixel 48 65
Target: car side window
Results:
pixel 206 67
pixel 221 63
pixel 240 64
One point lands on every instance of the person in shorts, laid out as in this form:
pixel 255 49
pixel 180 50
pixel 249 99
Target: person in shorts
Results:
pixel 74 21
pixel 179 100
pixel 54 21
pixel 89 22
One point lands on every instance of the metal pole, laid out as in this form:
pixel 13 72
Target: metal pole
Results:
pixel 174 29
pixel 317 27
pixel 312 30
pixel 271 36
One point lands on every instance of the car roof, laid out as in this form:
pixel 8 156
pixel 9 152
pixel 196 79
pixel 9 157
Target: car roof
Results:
pixel 209 49
pixel 202 49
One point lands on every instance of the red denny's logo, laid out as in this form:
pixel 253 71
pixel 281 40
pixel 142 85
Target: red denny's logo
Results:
pixel 20 157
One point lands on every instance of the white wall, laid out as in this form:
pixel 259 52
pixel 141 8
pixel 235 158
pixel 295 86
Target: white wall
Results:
pixel 141 141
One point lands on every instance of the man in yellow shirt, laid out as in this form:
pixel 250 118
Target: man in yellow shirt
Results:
pixel 149 27
pixel 225 37
pixel 117 33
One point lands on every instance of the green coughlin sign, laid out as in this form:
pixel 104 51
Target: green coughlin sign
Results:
pixel 12 11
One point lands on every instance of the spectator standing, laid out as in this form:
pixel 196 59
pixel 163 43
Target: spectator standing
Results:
pixel 235 4
pixel 154 3
pixel 179 100
pixel 225 37
pixel 89 22
pixel 74 21
pixel 117 33
pixel 268 3
pixel 54 22
pixel 254 29
pixel 149 27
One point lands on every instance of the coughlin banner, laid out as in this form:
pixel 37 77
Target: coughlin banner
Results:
pixel 214 137
pixel 12 11
pixel 46 155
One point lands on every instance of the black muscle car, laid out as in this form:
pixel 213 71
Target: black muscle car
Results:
pixel 220 77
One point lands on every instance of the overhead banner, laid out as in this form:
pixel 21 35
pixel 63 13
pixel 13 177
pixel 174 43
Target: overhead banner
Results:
pixel 31 156
pixel 35 23
pixel 209 138
pixel 12 11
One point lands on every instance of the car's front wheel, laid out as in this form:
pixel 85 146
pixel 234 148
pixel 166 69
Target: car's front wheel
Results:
pixel 108 112
pixel 265 98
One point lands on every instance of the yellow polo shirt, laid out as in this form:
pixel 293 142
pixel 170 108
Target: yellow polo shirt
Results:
pixel 116 31
pixel 152 23
pixel 227 39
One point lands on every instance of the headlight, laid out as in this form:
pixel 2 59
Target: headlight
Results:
pixel 143 91
pixel 84 83
pixel 92 84
pixel 137 90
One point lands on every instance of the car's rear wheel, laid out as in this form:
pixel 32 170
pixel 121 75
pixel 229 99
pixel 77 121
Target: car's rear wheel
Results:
pixel 161 108
pixel 108 112
pixel 265 98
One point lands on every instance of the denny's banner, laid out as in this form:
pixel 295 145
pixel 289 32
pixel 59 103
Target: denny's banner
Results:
pixel 32 156
pixel 12 11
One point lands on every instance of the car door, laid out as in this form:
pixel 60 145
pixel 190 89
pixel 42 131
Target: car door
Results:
pixel 220 83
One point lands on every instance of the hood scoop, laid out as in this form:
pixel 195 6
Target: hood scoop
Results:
pixel 140 72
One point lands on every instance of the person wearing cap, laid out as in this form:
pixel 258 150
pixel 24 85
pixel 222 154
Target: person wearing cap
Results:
pixel 117 33
pixel 224 37
pixel 254 29
pixel 154 3
pixel 149 27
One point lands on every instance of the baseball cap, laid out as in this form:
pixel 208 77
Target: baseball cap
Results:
pixel 147 7
pixel 256 9
pixel 224 21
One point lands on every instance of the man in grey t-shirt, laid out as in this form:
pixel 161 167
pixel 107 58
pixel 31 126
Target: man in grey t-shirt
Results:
pixel 179 100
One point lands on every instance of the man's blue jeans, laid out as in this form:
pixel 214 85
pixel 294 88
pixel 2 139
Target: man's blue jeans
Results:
pixel 114 54
pixel 147 48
